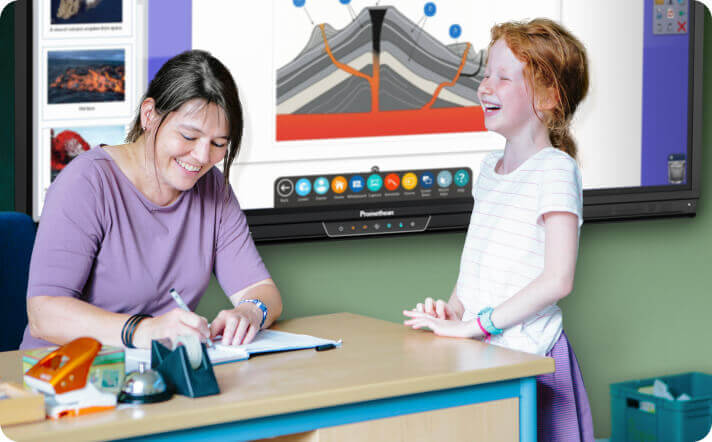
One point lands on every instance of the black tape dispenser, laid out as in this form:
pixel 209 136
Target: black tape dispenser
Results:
pixel 186 367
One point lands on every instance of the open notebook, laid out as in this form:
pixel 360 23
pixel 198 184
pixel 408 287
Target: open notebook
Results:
pixel 266 341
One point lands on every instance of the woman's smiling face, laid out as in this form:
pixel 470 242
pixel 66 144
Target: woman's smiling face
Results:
pixel 190 141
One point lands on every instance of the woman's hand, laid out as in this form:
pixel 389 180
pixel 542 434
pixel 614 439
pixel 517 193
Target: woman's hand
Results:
pixel 437 309
pixel 441 327
pixel 176 322
pixel 237 326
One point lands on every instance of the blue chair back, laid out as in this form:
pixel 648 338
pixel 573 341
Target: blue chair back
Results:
pixel 17 236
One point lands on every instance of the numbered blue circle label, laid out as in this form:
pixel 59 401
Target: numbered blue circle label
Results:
pixel 455 31
pixel 430 9
pixel 298 3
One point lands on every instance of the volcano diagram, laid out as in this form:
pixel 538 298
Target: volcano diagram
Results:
pixel 380 75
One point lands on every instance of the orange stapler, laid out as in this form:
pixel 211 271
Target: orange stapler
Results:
pixel 63 377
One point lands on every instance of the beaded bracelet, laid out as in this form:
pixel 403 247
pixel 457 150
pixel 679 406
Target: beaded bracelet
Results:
pixel 127 331
pixel 259 304
pixel 484 330
pixel 485 318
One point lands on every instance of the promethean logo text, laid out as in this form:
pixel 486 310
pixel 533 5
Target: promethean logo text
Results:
pixel 365 214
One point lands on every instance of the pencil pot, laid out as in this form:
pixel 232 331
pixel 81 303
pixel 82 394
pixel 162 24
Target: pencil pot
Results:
pixel 638 415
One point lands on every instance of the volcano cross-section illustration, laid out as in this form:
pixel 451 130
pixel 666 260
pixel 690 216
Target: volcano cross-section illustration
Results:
pixel 380 75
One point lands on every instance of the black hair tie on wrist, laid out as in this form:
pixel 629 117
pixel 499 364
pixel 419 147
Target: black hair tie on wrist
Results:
pixel 127 331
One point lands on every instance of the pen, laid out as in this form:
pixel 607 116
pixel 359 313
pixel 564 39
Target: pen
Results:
pixel 328 346
pixel 176 297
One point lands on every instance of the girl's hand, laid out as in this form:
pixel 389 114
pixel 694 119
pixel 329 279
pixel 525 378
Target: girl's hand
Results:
pixel 175 323
pixel 438 309
pixel 237 326
pixel 441 327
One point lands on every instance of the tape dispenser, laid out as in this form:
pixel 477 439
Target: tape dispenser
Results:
pixel 186 367
pixel 63 377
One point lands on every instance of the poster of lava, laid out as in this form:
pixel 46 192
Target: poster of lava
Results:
pixel 64 12
pixel 86 76
pixel 68 142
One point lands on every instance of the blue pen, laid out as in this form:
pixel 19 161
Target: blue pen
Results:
pixel 177 298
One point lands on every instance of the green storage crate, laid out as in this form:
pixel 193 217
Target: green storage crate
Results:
pixel 665 420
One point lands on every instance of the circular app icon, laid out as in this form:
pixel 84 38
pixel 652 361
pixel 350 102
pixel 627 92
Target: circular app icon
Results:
pixel 374 183
pixel 285 187
pixel 410 180
pixel 357 183
pixel 427 180
pixel 303 187
pixel 339 184
pixel 392 181
pixel 321 185
pixel 444 178
pixel 461 178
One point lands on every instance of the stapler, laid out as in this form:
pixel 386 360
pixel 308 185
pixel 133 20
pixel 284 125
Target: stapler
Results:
pixel 63 377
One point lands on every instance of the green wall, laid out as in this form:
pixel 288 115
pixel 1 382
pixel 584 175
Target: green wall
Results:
pixel 640 307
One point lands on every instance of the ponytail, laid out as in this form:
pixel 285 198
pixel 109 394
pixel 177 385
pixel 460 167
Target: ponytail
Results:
pixel 561 139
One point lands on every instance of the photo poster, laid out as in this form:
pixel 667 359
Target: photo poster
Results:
pixel 66 142
pixel 309 113
pixel 65 12
pixel 90 58
pixel 66 19
pixel 86 76
pixel 86 99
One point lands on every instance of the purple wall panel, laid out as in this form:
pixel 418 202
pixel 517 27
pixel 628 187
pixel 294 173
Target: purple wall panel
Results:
pixel 665 99
pixel 169 31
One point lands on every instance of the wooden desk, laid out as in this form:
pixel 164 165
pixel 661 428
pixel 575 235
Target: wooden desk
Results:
pixel 383 370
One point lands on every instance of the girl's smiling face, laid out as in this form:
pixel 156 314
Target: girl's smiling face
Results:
pixel 504 94
pixel 190 141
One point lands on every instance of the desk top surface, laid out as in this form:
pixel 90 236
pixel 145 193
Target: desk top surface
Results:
pixel 378 359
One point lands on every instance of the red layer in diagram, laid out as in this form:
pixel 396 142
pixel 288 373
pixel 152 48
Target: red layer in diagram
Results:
pixel 291 127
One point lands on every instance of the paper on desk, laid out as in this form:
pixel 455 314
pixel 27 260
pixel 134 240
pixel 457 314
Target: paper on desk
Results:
pixel 266 341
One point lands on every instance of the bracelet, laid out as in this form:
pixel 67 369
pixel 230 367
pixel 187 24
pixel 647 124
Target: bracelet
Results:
pixel 485 317
pixel 133 328
pixel 487 334
pixel 127 331
pixel 259 304
pixel 124 330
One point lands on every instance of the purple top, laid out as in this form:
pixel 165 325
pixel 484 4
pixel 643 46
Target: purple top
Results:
pixel 102 241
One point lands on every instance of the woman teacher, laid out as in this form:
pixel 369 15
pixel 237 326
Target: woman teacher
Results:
pixel 123 225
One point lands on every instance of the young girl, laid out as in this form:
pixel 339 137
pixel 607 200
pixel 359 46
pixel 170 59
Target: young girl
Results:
pixel 520 252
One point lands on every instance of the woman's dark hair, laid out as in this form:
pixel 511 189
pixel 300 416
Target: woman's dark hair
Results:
pixel 187 76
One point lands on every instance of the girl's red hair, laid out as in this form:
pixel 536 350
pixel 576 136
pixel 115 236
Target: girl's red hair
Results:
pixel 555 66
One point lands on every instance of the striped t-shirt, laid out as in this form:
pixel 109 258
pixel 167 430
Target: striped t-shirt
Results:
pixel 504 248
